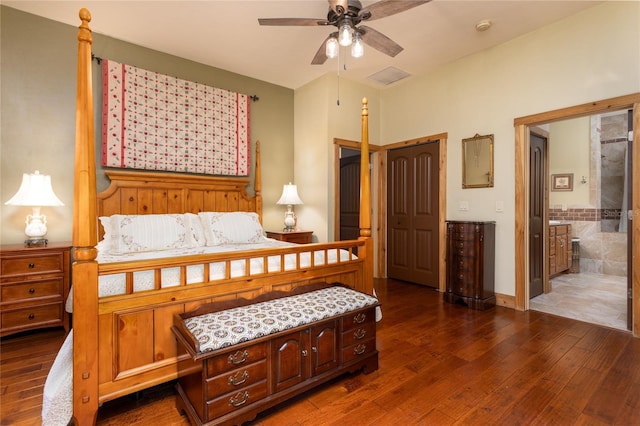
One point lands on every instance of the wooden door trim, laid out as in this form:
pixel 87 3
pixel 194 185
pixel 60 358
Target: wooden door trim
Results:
pixel 522 128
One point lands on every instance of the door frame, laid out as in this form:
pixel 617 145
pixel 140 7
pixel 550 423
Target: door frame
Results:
pixel 379 202
pixel 522 127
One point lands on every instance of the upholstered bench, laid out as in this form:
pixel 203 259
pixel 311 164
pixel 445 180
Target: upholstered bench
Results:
pixel 248 355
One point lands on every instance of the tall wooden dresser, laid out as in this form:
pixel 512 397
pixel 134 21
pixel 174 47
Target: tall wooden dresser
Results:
pixel 471 264
pixel 34 284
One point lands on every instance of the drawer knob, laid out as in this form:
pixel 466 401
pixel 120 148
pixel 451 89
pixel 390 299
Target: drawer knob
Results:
pixel 304 352
pixel 32 290
pixel 360 349
pixel 359 333
pixel 359 319
pixel 238 379
pixel 238 357
pixel 32 265
pixel 31 316
pixel 239 399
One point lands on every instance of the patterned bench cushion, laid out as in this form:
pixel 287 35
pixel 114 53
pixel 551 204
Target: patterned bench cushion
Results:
pixel 218 330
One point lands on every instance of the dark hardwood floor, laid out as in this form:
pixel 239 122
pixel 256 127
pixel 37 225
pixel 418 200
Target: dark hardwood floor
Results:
pixel 440 364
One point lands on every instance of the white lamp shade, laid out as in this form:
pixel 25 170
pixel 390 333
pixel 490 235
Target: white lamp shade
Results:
pixel 289 195
pixel 36 191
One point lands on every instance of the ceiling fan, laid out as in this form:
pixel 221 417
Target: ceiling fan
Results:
pixel 346 15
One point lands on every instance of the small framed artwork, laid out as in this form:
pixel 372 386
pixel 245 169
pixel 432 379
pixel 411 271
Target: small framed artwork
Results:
pixel 562 182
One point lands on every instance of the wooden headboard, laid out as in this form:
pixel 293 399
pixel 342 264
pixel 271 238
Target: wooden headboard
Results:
pixel 138 192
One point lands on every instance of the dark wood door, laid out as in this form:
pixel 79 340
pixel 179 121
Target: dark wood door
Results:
pixel 629 186
pixel 349 197
pixel 413 214
pixel 537 208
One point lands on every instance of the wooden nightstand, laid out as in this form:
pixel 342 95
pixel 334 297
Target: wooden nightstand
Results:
pixel 298 237
pixel 34 284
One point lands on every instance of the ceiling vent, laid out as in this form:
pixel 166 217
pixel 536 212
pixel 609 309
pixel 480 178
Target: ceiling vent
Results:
pixel 388 76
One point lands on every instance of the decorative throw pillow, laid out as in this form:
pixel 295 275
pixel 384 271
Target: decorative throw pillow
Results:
pixel 231 228
pixel 151 232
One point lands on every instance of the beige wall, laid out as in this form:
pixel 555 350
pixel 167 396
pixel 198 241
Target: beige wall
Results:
pixel 591 56
pixel 570 152
pixel 319 119
pixel 38 85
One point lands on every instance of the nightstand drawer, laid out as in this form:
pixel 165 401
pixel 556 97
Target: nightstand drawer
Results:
pixel 31 290
pixel 26 265
pixel 31 316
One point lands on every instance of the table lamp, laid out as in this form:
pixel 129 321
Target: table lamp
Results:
pixel 290 198
pixel 36 192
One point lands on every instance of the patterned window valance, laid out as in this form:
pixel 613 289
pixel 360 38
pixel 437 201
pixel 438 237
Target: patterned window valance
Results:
pixel 152 121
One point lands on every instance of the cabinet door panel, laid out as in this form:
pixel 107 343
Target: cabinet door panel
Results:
pixel 290 365
pixel 324 347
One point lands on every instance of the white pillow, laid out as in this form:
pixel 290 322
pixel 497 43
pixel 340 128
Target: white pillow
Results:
pixel 231 228
pixel 151 232
pixel 104 245
pixel 194 224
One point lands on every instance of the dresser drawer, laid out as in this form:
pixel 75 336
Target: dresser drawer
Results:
pixel 24 291
pixel 224 404
pixel 33 264
pixel 236 379
pixel 236 359
pixel 32 316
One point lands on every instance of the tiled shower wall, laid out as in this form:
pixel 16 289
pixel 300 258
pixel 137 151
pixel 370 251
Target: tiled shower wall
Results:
pixel 603 249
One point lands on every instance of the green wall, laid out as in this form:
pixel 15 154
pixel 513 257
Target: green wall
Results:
pixel 38 89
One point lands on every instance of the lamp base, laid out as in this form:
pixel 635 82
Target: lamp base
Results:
pixel 36 242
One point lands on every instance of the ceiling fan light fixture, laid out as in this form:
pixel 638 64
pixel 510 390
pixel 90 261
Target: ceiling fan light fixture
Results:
pixel 357 48
pixel 344 34
pixel 332 47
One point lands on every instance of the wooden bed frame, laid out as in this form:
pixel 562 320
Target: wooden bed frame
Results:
pixel 123 343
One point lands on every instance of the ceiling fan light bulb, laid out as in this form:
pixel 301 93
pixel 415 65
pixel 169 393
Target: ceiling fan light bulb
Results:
pixel 357 48
pixel 332 48
pixel 344 36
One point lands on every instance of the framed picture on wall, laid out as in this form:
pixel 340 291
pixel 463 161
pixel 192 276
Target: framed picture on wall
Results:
pixel 562 182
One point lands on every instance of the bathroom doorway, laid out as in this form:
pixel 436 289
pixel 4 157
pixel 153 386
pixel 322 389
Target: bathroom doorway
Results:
pixel 522 126
pixel 591 152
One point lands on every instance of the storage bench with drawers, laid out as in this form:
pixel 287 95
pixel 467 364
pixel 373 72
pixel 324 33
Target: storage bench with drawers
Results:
pixel 249 355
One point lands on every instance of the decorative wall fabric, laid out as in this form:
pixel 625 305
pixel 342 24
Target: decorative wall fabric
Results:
pixel 152 121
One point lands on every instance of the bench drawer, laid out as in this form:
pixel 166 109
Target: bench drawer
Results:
pixel 232 401
pixel 358 350
pixel 232 360
pixel 236 379
pixel 359 319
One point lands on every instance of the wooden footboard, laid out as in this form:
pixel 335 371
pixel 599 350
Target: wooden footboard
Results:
pixel 136 347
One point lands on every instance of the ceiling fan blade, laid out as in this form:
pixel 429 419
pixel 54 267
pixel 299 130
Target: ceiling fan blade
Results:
pixel 293 22
pixel 321 54
pixel 379 41
pixel 385 8
pixel 339 6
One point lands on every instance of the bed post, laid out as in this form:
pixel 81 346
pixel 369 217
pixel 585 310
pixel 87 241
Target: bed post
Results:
pixel 85 267
pixel 365 202
pixel 257 183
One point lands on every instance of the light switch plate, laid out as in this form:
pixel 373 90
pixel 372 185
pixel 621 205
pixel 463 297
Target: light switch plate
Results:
pixel 463 206
pixel 500 206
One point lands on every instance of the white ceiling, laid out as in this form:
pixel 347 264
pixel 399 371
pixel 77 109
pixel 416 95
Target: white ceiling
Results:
pixel 225 33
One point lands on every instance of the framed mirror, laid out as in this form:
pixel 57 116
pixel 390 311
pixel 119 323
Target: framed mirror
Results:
pixel 477 162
